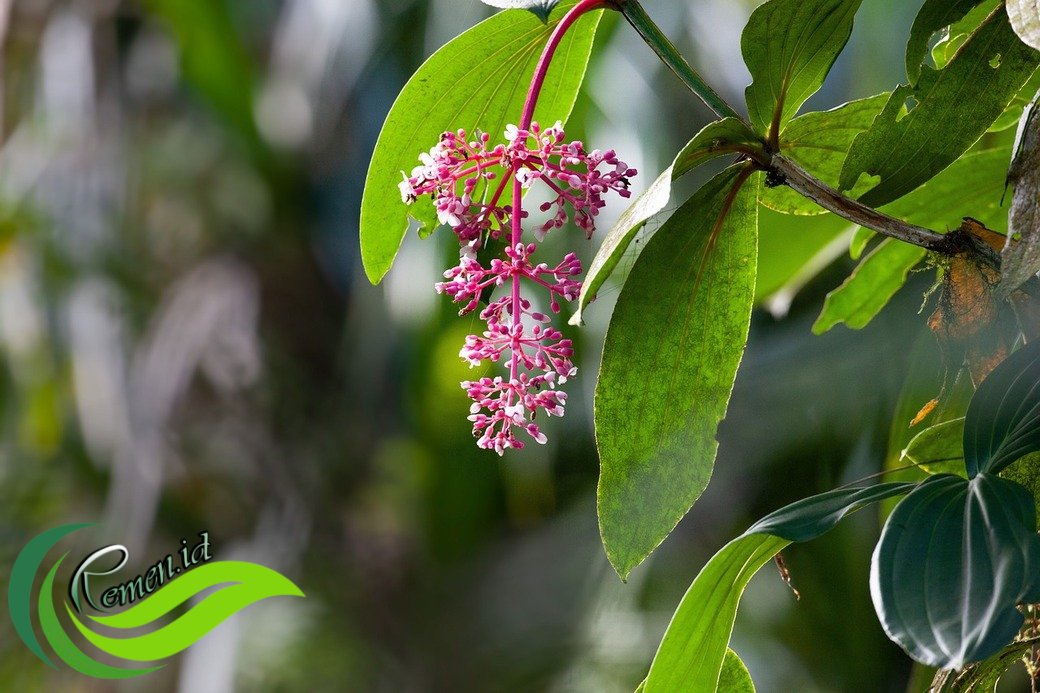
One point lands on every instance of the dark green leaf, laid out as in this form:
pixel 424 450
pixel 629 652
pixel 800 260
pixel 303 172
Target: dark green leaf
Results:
pixel 789 47
pixel 810 517
pixel 541 8
pixel 1003 419
pixel 984 676
pixel 669 360
pixel 819 142
pixel 727 136
pixel 734 677
pixel 1021 261
pixel 870 287
pixel 933 16
pixel 477 81
pixel 939 449
pixel 903 149
pixel 693 649
pixel 1025 18
pixel 954 559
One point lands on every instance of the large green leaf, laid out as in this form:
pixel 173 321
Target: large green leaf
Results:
pixel 792 250
pixel 819 142
pixel 693 649
pixel 954 559
pixel 1025 18
pixel 939 449
pixel 1003 420
pixel 727 136
pixel 669 360
pixel 903 148
pixel 477 81
pixel 933 16
pixel 972 186
pixel 789 47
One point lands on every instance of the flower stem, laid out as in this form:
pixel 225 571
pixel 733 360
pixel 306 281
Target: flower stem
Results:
pixel 670 56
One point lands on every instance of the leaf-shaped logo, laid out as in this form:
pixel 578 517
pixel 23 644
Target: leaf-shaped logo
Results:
pixel 138 633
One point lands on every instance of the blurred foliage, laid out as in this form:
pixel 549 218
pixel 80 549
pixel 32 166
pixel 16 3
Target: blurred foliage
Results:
pixel 188 342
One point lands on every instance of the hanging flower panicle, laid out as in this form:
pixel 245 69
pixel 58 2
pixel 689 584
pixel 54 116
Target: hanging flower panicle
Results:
pixel 469 182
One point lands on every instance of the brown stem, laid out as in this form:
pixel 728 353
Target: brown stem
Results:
pixel 803 182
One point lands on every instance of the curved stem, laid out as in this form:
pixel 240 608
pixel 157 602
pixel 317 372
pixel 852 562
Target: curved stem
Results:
pixel 670 56
pixel 547 54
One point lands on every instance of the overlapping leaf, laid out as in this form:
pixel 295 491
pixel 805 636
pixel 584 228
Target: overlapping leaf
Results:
pixel 933 16
pixel 1003 420
pixel 902 148
pixel 954 559
pixel 789 47
pixel 723 137
pixel 669 361
pixel 477 81
pixel 693 649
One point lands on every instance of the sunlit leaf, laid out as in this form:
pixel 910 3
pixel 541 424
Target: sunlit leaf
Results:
pixel 933 16
pixel 789 47
pixel 819 141
pixel 903 149
pixel 939 449
pixel 954 559
pixel 669 360
pixel 734 677
pixel 477 81
pixel 723 137
pixel 1003 420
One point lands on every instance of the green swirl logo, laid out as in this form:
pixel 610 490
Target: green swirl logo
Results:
pixel 139 633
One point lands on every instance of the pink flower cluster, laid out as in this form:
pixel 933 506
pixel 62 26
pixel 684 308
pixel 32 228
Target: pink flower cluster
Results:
pixel 468 182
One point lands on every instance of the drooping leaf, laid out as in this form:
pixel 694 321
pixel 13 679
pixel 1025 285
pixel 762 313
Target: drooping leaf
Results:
pixel 1025 18
pixel 973 185
pixel 1003 419
pixel 789 47
pixel 727 136
pixel 734 678
pixel 902 148
pixel 693 648
pixel 870 287
pixel 819 142
pixel 541 8
pixel 954 559
pixel 669 360
pixel 477 81
pixel 1020 261
pixel 933 16
pixel 939 449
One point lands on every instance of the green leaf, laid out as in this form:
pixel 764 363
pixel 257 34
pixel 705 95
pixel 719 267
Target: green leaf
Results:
pixel 903 149
pixel 693 649
pixel 939 449
pixel 1021 261
pixel 734 678
pixel 933 16
pixel 819 142
pixel 954 559
pixel 810 517
pixel 789 47
pixel 972 186
pixel 727 136
pixel 1003 420
pixel 477 81
pixel 794 249
pixel 1025 18
pixel 669 360
pixel 870 287
pixel 859 242
pixel 541 8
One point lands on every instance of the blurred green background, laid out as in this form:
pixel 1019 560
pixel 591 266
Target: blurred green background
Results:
pixel 188 343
